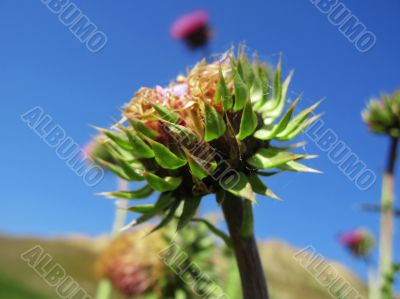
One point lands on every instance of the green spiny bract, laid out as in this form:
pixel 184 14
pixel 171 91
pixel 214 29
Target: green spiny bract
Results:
pixel 209 132
pixel 95 150
pixel 382 116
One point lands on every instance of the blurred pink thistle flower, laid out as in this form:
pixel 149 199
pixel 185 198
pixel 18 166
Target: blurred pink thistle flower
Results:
pixel 359 242
pixel 192 28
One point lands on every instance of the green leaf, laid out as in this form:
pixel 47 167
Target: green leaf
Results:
pixel 165 158
pixel 257 92
pixel 130 167
pixel 196 168
pixel 297 167
pixel 273 109
pixel 143 129
pixel 164 201
pixel 268 174
pixel 285 86
pixel 142 209
pixel 272 157
pixel 275 101
pixel 278 81
pixel 163 184
pixel 215 231
pixel 123 143
pixel 283 123
pixel 292 146
pixel 129 170
pixel 124 154
pixel 190 207
pixel 269 132
pixel 214 123
pixel 115 169
pixel 248 123
pixel 247 70
pixel 259 187
pixel 265 132
pixel 239 69
pixel 241 92
pixel 166 114
pixel 298 122
pixel 299 129
pixel 261 89
pixel 247 226
pixel 139 148
pixel 222 93
pixel 168 218
pixel 238 185
pixel 141 193
pixel 182 134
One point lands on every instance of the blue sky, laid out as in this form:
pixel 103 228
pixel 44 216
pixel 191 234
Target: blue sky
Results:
pixel 42 63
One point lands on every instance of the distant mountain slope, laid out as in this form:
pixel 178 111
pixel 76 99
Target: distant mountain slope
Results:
pixel 287 278
pixel 77 261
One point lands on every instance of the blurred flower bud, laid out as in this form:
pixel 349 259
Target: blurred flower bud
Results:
pixel 382 116
pixel 359 242
pixel 96 148
pixel 131 262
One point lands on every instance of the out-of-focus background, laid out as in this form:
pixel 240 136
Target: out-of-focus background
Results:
pixel 43 64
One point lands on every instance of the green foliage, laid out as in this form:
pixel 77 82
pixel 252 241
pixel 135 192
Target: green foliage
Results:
pixel 141 193
pixel 222 93
pixel 139 148
pixel 163 184
pixel 238 186
pixel 272 157
pixel 248 123
pixel 214 123
pixel 388 281
pixel 166 158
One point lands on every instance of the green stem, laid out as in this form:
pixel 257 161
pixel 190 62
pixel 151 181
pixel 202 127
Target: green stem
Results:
pixel 104 288
pixel 120 211
pixel 372 287
pixel 254 285
pixel 387 229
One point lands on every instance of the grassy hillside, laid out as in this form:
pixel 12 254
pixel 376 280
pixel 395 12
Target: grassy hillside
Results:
pixel 16 276
pixel 287 278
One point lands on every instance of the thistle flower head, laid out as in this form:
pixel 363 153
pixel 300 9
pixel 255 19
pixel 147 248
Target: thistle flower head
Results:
pixel 382 116
pixel 192 28
pixel 208 132
pixel 359 242
pixel 131 262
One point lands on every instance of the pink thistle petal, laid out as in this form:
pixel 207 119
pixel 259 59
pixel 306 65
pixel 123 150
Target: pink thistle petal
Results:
pixel 189 23
pixel 351 238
